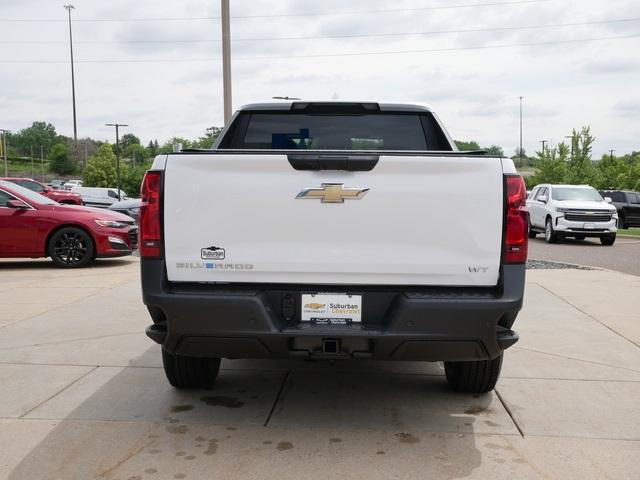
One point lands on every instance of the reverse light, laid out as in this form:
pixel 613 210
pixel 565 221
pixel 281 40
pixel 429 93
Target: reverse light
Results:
pixel 517 221
pixel 150 233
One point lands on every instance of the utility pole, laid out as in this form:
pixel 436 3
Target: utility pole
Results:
pixel 73 79
pixel 611 153
pixel 544 145
pixel 31 160
pixel 571 137
pixel 3 147
pixel 226 59
pixel 521 165
pixel 117 125
pixel 42 161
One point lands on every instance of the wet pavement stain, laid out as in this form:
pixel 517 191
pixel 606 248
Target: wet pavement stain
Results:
pixel 380 452
pixel 407 438
pixel 179 476
pixel 135 477
pixel 499 460
pixel 232 428
pixel 177 429
pixel 335 440
pixel 282 446
pixel 267 442
pixel 190 457
pixel 200 439
pixel 180 454
pixel 181 408
pixel 518 460
pixel 154 451
pixel 491 424
pixel 475 410
pixel 151 471
pixel 219 401
pixel 212 448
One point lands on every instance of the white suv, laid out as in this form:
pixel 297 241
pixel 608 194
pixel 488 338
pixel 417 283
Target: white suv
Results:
pixel 577 211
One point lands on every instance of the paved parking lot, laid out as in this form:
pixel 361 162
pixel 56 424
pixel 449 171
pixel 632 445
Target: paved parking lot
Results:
pixel 623 256
pixel 83 395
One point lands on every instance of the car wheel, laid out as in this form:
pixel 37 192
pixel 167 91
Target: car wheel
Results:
pixel 532 232
pixel 580 237
pixel 190 372
pixel 71 247
pixel 473 377
pixel 549 233
pixel 608 240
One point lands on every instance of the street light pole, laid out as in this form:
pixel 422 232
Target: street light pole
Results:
pixel 226 59
pixel 117 125
pixel 544 144
pixel 42 161
pixel 611 153
pixel 4 150
pixel 521 165
pixel 73 78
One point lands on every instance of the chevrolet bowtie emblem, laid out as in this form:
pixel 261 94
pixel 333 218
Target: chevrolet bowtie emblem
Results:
pixel 333 193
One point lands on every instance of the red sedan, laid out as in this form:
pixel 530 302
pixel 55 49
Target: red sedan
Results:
pixel 60 196
pixel 32 225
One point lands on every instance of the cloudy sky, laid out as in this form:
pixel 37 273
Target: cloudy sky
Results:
pixel 156 64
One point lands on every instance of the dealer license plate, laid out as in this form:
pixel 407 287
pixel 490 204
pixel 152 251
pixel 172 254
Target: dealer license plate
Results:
pixel 589 226
pixel 331 308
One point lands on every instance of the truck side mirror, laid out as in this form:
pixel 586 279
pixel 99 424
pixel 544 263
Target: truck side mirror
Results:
pixel 608 199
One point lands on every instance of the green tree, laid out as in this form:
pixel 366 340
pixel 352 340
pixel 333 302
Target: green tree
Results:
pixel 494 150
pixel 101 168
pixel 210 137
pixel 39 133
pixel 466 146
pixel 551 165
pixel 131 178
pixel 60 160
pixel 167 147
pixel 581 170
pixel 613 173
pixel 127 140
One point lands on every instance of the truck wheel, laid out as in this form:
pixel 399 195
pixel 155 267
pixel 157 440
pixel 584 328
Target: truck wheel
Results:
pixel 608 240
pixel 190 372
pixel 532 232
pixel 473 377
pixel 580 237
pixel 71 247
pixel 549 233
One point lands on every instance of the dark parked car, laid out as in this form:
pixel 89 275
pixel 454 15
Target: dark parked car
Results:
pixel 32 225
pixel 60 196
pixel 129 207
pixel 628 206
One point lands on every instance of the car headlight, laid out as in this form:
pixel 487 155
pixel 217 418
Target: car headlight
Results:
pixel 562 210
pixel 110 223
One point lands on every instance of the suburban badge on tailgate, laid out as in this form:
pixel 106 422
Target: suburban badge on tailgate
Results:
pixel 333 193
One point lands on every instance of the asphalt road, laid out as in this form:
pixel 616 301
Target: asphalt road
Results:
pixel 623 256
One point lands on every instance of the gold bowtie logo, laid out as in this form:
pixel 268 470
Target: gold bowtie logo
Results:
pixel 333 193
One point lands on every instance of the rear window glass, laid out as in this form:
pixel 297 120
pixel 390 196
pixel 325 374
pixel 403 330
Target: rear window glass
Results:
pixel 322 131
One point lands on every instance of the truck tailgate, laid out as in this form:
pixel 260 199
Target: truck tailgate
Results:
pixel 425 220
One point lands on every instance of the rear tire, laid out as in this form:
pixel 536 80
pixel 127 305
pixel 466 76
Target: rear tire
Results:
pixel 473 377
pixel 190 372
pixel 608 240
pixel 580 237
pixel 532 232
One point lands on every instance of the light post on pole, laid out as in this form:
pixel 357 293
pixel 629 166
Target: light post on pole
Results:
pixel 611 153
pixel 73 79
pixel 226 59
pixel 117 125
pixel 521 165
pixel 3 147
pixel 544 145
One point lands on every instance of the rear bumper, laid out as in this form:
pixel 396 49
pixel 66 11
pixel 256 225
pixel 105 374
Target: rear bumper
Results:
pixel 399 323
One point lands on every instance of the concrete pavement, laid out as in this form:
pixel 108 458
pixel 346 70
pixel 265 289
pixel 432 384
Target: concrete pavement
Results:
pixel 83 395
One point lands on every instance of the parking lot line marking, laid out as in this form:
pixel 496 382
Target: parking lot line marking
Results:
pixel 506 407
pixel 576 359
pixel 275 403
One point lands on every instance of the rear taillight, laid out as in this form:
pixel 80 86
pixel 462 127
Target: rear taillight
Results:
pixel 150 243
pixel 517 221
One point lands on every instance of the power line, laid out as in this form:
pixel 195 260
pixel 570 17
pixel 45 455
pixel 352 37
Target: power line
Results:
pixel 316 37
pixel 284 15
pixel 348 54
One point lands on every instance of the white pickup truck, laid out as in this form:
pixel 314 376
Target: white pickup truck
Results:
pixel 333 230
